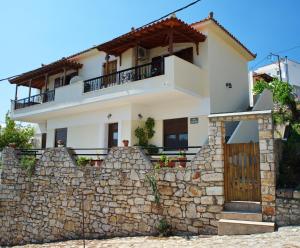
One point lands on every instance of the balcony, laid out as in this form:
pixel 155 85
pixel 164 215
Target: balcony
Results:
pixel 125 76
pixel 34 100
pixel 172 78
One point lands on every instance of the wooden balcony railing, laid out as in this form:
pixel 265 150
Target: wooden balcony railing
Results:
pixel 125 76
pixel 34 100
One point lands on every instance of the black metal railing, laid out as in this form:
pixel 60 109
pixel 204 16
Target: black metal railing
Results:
pixel 35 152
pixel 125 76
pixel 174 154
pixel 34 100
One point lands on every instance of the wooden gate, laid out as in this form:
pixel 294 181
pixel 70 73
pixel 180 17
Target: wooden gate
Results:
pixel 242 172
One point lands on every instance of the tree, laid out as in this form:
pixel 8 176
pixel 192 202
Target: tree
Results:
pixel 283 97
pixel 15 133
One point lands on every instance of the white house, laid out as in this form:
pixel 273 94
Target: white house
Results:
pixel 174 72
pixel 289 70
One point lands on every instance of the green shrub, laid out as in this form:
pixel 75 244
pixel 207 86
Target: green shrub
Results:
pixel 163 227
pixel 28 163
pixel 83 161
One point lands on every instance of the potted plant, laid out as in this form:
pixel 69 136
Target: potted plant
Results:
pixel 98 161
pixel 171 162
pixel 182 159
pixel 125 143
pixel 60 143
pixel 83 161
pixel 163 160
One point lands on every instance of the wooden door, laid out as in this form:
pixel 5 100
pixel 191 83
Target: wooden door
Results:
pixel 242 172
pixel 112 135
pixel 110 70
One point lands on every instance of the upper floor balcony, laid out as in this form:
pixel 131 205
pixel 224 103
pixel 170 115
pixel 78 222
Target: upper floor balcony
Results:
pixel 168 79
pixel 141 81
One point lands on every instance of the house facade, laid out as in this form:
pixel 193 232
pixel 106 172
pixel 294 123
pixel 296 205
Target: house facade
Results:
pixel 174 72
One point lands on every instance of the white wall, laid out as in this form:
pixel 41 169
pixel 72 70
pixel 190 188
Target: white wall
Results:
pixel 247 131
pixel 226 65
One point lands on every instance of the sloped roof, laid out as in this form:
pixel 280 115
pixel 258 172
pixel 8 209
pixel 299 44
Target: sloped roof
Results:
pixel 153 35
pixel 211 18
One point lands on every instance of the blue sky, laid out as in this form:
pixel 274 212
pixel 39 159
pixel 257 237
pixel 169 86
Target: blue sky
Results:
pixel 34 32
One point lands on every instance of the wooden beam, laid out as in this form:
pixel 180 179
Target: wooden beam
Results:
pixel 197 48
pixel 136 54
pixel 46 81
pixel 64 76
pixel 16 92
pixel 106 63
pixel 120 59
pixel 29 94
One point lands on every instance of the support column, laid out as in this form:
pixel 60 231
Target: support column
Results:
pixel 64 76
pixel 106 63
pixel 267 167
pixel 46 81
pixel 16 92
pixel 29 93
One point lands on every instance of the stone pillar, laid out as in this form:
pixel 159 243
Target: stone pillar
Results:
pixel 267 167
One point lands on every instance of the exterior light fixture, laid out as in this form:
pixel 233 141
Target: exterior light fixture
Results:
pixel 109 116
pixel 228 85
pixel 140 116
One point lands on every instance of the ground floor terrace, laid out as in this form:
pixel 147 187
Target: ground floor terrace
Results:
pixel 285 237
pixel 177 123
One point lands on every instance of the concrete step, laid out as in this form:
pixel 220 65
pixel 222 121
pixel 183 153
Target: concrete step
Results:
pixel 250 216
pixel 240 227
pixel 243 206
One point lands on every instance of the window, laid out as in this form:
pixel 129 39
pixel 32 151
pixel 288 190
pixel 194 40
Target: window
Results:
pixel 61 136
pixel 44 140
pixel 176 133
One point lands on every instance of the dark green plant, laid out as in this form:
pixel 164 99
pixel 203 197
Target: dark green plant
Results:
pixel 14 133
pixel 283 97
pixel 83 161
pixel 164 228
pixel 153 184
pixel 28 163
pixel 146 132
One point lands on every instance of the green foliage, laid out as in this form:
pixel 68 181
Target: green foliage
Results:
pixel 152 179
pixel 83 161
pixel 283 97
pixel 146 132
pixel 140 133
pixel 149 127
pixel 182 154
pixel 283 92
pixel 163 227
pixel 28 164
pixel 13 133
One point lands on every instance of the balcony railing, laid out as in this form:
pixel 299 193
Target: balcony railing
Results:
pixel 125 76
pixel 34 100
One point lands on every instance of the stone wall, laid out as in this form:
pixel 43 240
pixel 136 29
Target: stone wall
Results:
pixel 287 207
pixel 118 200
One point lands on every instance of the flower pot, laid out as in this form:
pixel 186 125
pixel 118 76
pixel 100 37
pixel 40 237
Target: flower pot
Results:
pixel 182 161
pixel 97 163
pixel 162 164
pixel 171 163
pixel 126 143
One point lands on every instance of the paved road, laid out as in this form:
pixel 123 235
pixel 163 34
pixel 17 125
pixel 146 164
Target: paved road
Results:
pixel 286 237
